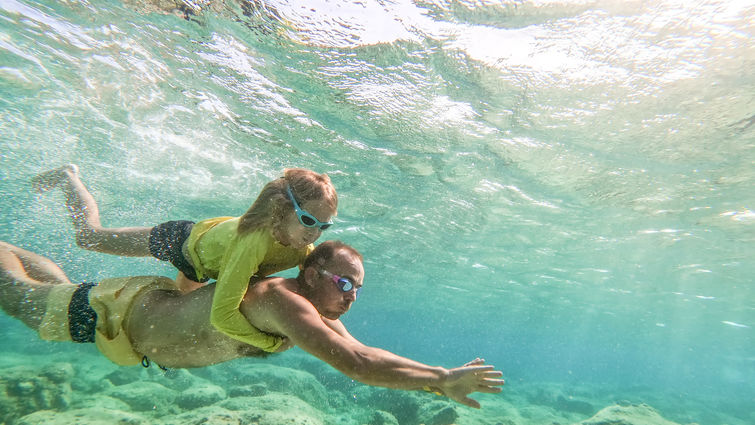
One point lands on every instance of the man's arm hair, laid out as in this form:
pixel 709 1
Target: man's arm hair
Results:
pixel 338 327
pixel 293 316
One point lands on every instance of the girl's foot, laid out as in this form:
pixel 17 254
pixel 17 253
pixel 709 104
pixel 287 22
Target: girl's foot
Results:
pixel 50 179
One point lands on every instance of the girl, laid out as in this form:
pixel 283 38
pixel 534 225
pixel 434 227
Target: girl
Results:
pixel 275 234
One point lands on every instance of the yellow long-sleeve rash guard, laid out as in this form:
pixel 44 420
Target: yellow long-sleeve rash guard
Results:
pixel 218 251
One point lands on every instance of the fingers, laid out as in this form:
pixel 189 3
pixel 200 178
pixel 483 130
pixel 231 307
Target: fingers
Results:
pixel 477 361
pixel 480 368
pixel 486 371
pixel 488 389
pixel 488 384
pixel 469 402
pixel 483 373
pixel 491 374
pixel 474 376
pixel 466 401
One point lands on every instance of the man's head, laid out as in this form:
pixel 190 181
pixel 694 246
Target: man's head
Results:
pixel 331 276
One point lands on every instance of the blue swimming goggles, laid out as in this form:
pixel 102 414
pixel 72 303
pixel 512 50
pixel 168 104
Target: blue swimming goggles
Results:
pixel 306 219
pixel 343 283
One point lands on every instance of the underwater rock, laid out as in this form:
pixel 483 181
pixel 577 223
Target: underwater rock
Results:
pixel 381 417
pixel 556 398
pixel 214 415
pixel 58 373
pixel 177 379
pixel 99 401
pixel 572 404
pixel 126 375
pixel 254 390
pixel 284 380
pixel 279 417
pixel 638 414
pixel 144 396
pixel 25 390
pixel 323 372
pixel 200 396
pixel 90 380
pixel 91 416
pixel 403 405
pixel 273 409
pixel 438 413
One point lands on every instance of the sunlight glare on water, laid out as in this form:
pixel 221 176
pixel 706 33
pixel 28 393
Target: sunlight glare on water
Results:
pixel 563 187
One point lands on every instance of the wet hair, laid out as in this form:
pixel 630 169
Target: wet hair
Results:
pixel 273 201
pixel 324 252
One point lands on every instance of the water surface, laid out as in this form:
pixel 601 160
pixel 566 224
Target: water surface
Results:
pixel 561 187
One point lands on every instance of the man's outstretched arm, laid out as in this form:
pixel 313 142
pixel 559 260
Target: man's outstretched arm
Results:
pixel 300 321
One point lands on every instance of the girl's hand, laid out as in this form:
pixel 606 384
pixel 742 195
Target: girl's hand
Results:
pixel 287 343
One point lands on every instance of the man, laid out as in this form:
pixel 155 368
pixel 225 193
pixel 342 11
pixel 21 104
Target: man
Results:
pixel 145 317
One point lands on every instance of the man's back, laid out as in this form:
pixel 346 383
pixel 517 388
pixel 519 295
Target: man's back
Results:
pixel 174 330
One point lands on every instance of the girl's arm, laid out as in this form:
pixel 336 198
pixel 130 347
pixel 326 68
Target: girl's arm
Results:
pixel 242 258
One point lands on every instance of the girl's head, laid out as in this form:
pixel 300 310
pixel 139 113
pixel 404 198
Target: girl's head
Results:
pixel 313 194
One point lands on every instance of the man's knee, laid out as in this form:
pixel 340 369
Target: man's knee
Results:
pixel 6 249
pixel 10 264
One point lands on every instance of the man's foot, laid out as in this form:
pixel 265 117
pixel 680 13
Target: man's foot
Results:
pixel 50 179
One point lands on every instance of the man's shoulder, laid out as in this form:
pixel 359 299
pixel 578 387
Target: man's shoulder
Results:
pixel 274 305
pixel 273 288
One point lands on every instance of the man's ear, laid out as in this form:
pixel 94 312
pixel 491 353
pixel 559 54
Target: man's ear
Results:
pixel 310 275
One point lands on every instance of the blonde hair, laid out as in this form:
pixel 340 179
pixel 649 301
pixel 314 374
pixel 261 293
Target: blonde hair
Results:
pixel 273 201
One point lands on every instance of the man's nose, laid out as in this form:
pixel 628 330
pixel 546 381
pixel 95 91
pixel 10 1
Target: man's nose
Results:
pixel 351 295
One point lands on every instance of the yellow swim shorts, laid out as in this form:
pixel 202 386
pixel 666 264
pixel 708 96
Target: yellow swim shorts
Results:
pixel 55 325
pixel 112 300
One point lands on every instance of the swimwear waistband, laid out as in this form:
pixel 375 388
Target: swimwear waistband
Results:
pixel 68 315
pixel 82 319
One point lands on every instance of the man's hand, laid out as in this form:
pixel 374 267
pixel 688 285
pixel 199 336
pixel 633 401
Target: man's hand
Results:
pixel 474 376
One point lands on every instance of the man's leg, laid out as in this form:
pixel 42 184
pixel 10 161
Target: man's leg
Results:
pixel 85 215
pixel 26 279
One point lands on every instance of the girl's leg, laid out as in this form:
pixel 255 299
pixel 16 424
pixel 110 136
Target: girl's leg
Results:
pixel 186 285
pixel 85 215
pixel 25 282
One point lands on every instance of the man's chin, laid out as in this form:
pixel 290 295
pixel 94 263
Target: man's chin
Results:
pixel 331 315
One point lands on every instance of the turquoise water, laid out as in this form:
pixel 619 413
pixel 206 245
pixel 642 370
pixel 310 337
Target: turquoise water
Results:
pixel 562 187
